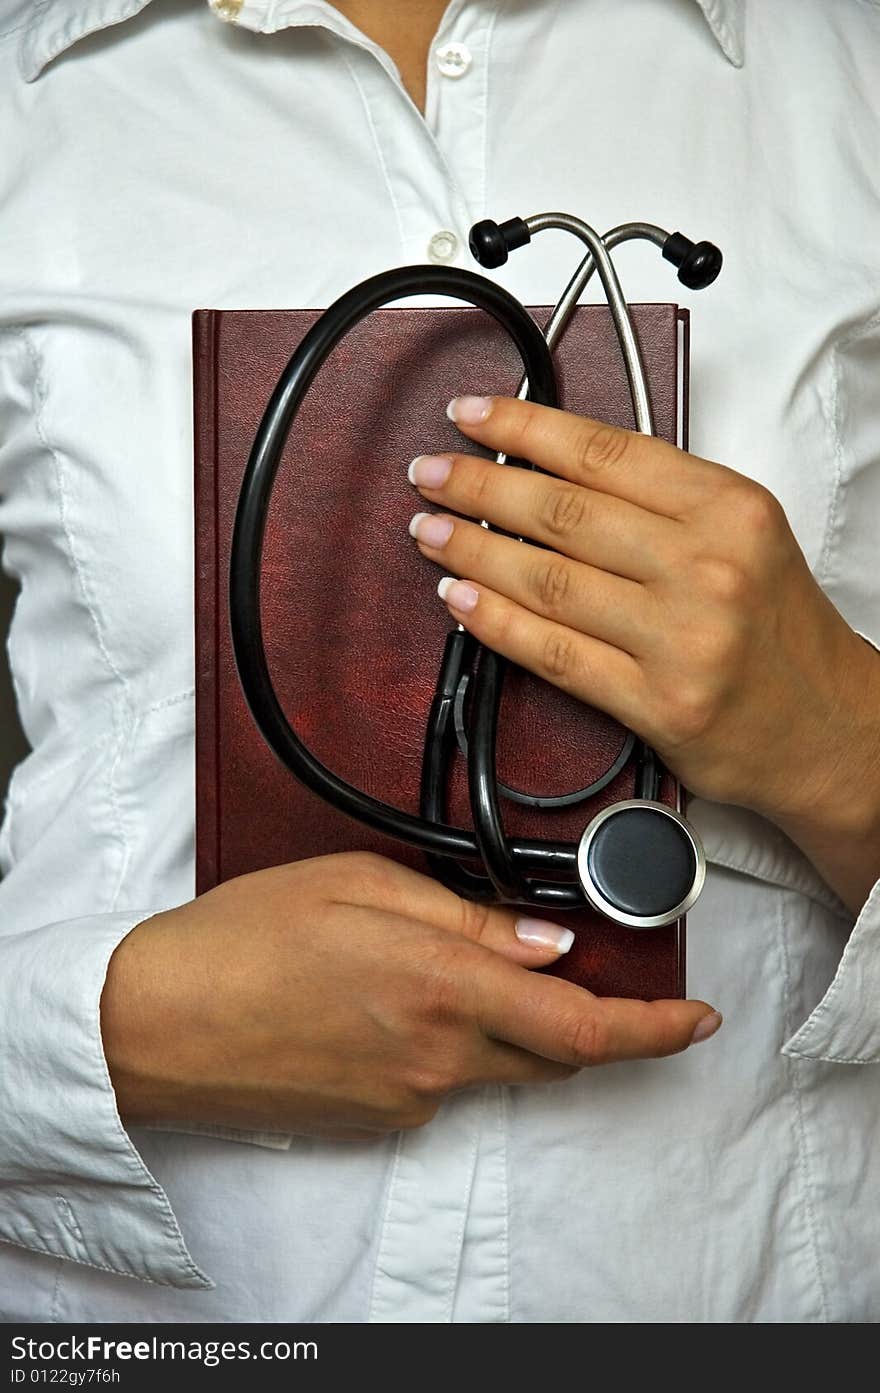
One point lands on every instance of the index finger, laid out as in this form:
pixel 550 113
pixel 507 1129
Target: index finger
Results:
pixel 626 464
pixel 560 1021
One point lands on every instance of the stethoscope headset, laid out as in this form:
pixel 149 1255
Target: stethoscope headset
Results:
pixel 638 862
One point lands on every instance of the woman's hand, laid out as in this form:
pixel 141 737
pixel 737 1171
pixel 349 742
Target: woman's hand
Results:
pixel 347 996
pixel 671 592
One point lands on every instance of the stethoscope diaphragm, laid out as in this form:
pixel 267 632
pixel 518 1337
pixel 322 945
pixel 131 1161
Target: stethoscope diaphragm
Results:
pixel 641 863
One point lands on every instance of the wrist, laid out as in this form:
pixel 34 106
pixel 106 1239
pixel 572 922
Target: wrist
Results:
pixel 846 856
pixel 139 1029
pixel 833 811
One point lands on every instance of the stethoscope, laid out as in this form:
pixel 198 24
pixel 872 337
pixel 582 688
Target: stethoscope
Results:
pixel 638 862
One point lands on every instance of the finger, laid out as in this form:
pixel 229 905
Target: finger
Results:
pixel 627 464
pixel 555 1019
pixel 406 894
pixel 619 612
pixel 590 526
pixel 497 1062
pixel 590 669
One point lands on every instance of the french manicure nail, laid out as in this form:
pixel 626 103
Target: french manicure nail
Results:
pixel 434 531
pixel 539 934
pixel 458 594
pixel 706 1026
pixel 469 411
pixel 430 471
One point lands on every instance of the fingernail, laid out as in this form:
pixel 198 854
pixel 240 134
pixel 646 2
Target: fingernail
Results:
pixel 706 1026
pixel 540 934
pixel 434 531
pixel 430 471
pixel 469 411
pixel 458 594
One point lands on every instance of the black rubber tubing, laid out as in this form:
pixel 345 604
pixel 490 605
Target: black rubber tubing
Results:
pixel 505 859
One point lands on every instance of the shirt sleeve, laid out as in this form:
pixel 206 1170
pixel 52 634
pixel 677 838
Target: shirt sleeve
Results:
pixel 72 1183
pixel 97 825
pixel 845 1026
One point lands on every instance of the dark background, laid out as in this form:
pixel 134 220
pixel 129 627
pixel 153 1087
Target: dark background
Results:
pixel 13 745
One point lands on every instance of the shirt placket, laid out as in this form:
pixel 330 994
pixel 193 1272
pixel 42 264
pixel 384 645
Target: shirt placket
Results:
pixel 447 1195
pixel 452 1174
pixel 457 99
pixel 426 1211
pixel 429 203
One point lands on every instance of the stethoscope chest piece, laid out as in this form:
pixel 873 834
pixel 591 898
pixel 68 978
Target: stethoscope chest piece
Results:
pixel 641 864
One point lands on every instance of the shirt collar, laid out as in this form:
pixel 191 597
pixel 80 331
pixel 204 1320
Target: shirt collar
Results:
pixel 55 25
pixel 727 20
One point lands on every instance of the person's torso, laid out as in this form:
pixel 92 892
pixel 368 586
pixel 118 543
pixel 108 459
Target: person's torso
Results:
pixel 174 163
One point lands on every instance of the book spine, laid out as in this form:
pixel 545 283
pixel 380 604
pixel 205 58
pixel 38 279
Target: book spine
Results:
pixel 207 599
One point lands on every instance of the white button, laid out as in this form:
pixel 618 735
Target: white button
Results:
pixel 453 59
pixel 442 246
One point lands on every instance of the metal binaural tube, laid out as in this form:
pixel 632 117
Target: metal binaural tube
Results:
pixel 629 347
pixel 567 302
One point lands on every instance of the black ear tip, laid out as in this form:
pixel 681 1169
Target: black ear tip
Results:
pixel 487 244
pixel 491 243
pixel 698 262
pixel 701 266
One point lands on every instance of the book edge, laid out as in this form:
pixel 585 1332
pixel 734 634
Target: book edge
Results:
pixel 206 596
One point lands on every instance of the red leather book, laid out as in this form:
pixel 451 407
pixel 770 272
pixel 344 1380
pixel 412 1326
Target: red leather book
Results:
pixel 354 630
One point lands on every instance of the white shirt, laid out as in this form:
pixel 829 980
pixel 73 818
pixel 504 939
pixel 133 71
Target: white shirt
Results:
pixel 173 161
